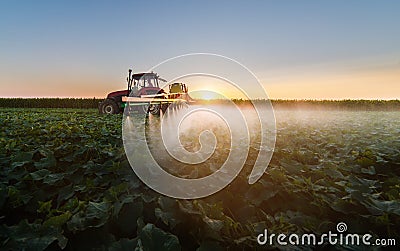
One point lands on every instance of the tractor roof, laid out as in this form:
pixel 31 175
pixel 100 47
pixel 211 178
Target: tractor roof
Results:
pixel 138 76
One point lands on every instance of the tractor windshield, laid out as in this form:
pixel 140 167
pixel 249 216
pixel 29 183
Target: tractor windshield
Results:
pixel 138 81
pixel 146 80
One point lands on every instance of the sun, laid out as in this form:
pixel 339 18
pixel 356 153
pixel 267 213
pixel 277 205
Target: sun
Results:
pixel 209 96
pixel 206 95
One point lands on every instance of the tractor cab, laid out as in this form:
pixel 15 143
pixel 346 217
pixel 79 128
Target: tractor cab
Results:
pixel 144 84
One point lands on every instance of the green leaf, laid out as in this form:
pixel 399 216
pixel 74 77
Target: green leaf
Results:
pixel 40 174
pixel 57 221
pixel 377 207
pixel 45 207
pixel 26 236
pixel 369 170
pixel 119 204
pixel 47 162
pixel 124 245
pixel 23 157
pixel 97 210
pixel 95 215
pixel 153 238
pixel 342 206
pixel 53 178
pixel 65 193
pixel 3 195
pixel 209 246
pixel 77 222
pixel 126 220
pixel 215 225
pixel 169 212
pixel 18 164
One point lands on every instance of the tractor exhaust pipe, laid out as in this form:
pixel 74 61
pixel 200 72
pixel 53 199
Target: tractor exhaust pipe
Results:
pixel 129 79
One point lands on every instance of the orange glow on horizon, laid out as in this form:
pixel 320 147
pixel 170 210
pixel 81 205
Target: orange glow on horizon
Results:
pixel 383 84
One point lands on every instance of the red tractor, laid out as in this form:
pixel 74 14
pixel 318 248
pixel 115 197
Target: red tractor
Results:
pixel 144 95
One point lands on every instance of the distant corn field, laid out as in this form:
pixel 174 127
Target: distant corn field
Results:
pixel 90 103
pixel 359 105
pixel 349 104
pixel 85 103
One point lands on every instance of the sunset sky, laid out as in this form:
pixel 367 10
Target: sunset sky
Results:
pixel 297 49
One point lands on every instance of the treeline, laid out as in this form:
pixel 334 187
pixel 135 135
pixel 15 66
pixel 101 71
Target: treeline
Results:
pixel 83 103
pixel 88 103
pixel 348 104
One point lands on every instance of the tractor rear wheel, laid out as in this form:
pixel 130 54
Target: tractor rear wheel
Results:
pixel 109 106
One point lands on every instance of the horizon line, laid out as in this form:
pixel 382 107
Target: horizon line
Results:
pixel 218 99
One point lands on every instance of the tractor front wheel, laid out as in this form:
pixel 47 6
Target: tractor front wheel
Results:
pixel 154 109
pixel 151 108
pixel 108 106
pixel 164 108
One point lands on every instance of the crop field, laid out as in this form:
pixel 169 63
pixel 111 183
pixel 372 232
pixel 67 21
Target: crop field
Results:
pixel 66 183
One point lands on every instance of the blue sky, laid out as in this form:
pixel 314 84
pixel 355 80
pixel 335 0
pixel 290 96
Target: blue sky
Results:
pixel 298 49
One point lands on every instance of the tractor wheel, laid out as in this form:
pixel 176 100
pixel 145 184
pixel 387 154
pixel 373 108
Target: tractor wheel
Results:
pixel 154 109
pixel 164 108
pixel 151 108
pixel 109 106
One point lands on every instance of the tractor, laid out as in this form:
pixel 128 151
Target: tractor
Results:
pixel 144 95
